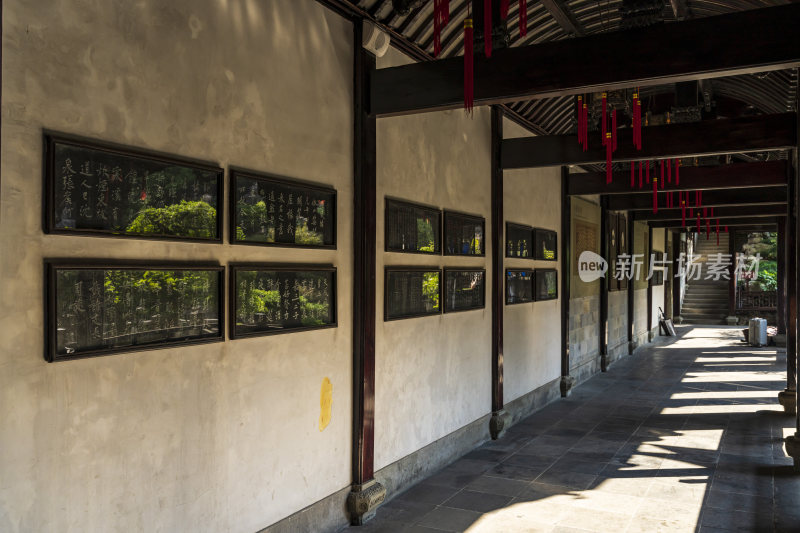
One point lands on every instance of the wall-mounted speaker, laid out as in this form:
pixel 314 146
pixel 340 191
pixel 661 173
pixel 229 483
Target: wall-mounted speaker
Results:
pixel 375 40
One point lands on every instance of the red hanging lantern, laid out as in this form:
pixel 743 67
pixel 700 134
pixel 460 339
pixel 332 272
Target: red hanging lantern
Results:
pixel 683 209
pixel 504 9
pixel 603 125
pixel 441 16
pixel 487 27
pixel 523 18
pixel 726 229
pixel 609 169
pixel 468 66
pixel 640 174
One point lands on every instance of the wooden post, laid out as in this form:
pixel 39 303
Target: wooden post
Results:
pixel 731 273
pixel 566 272
pixel 631 290
pixel 781 304
pixel 788 397
pixel 498 420
pixel 676 281
pixel 366 493
pixel 604 283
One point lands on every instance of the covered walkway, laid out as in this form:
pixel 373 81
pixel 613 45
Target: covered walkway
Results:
pixel 683 436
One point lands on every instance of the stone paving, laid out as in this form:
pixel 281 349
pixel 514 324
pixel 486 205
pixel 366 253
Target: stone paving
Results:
pixel 686 435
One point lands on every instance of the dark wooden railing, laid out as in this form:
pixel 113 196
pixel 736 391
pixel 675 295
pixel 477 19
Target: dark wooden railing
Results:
pixel 747 299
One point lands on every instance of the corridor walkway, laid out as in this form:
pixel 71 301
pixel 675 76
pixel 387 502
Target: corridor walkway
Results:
pixel 684 436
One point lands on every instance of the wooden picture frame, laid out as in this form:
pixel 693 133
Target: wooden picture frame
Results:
pixel 519 241
pixel 456 230
pixel 545 284
pixel 276 294
pixel 543 240
pixel 264 200
pixel 519 286
pixel 401 227
pixel 101 189
pixel 476 300
pixel 397 305
pixel 108 296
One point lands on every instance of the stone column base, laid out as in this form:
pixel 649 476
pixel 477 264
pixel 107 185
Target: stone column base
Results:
pixel 499 423
pixel 603 362
pixel 567 382
pixel 364 500
pixel 792 443
pixel 788 399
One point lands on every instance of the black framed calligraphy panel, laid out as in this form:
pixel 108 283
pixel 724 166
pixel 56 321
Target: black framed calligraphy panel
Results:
pixel 270 299
pixel 98 309
pixel 519 286
pixel 464 289
pixel 464 234
pixel 546 283
pixel 95 188
pixel 412 228
pixel 411 292
pixel 546 244
pixel 519 241
pixel 267 210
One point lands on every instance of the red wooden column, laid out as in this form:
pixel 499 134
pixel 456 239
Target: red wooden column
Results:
pixel 786 253
pixel 649 283
pixel 793 441
pixel 366 493
pixel 566 271
pixel 498 420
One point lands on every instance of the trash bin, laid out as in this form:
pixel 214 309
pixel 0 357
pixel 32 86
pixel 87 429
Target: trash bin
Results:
pixel 757 332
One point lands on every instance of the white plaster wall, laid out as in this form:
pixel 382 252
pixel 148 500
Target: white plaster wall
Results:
pixel 217 437
pixel 531 332
pixel 432 374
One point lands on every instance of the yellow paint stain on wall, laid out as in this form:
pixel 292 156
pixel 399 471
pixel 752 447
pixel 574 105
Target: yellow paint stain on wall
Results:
pixel 325 403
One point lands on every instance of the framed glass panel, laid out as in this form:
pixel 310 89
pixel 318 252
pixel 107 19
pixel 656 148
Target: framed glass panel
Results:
pixel 519 241
pixel 546 281
pixel 95 188
pixel 519 286
pixel 546 242
pixel 411 292
pixel 269 299
pixel 463 234
pixel 267 210
pixel 97 309
pixel 412 228
pixel 464 289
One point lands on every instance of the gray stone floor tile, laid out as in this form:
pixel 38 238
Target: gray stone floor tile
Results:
pixel 481 502
pixel 449 519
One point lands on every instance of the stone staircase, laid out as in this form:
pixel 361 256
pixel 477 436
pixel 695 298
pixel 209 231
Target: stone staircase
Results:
pixel 706 300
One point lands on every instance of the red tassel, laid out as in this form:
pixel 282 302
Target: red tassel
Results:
pixel 677 172
pixel 683 210
pixel 640 174
pixel 705 212
pixel 504 9
pixel 579 119
pixel 468 67
pixel 711 210
pixel 487 27
pixel 708 229
pixel 726 229
pixel 633 173
pixel 609 169
pixel 437 26
pixel 669 170
pixel 700 202
pixel 585 126
pixel 662 173
pixel 647 171
pixel 698 222
pixel 614 129
pixel 603 125
pixel 717 232
pixel 523 18
pixel 655 195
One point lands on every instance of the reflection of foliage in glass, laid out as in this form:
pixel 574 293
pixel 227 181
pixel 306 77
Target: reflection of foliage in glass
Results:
pixel 425 235
pixel 187 219
pixel 430 287
pixel 254 301
pixel 254 225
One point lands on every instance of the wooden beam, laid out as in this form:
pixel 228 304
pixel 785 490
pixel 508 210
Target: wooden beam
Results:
pixel 734 197
pixel 733 221
pixel 740 175
pixel 711 137
pixel 561 13
pixel 739 211
pixel 745 42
